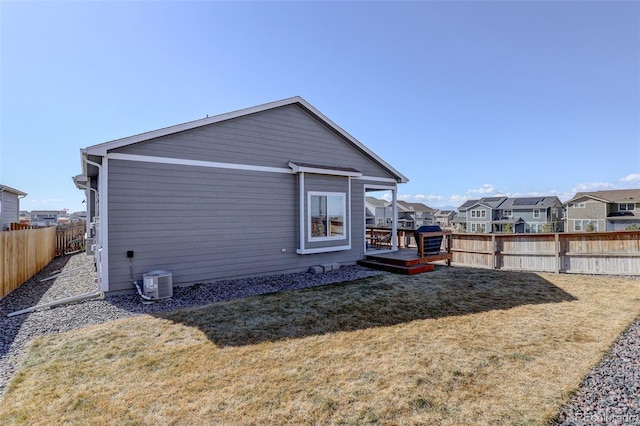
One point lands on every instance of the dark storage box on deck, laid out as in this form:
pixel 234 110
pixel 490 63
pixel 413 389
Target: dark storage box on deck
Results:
pixel 431 244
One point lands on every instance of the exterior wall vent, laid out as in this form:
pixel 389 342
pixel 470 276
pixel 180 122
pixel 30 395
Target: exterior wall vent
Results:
pixel 157 284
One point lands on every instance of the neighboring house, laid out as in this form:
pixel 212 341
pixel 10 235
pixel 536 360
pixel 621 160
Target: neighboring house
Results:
pixel 379 212
pixel 530 215
pixel 405 216
pixel 417 214
pixel 520 214
pixel 9 206
pixel 43 218
pixel 444 218
pixel 269 189
pixel 481 214
pixel 410 215
pixel 612 210
pixel 459 221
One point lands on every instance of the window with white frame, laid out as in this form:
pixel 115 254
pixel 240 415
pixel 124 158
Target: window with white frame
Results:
pixel 327 214
pixel 508 213
pixel 477 227
pixel 478 213
pixel 585 225
pixel 578 205
pixel 626 206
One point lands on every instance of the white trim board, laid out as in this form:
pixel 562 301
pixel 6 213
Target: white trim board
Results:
pixel 229 166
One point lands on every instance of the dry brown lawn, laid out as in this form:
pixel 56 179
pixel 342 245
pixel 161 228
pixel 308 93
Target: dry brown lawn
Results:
pixel 456 346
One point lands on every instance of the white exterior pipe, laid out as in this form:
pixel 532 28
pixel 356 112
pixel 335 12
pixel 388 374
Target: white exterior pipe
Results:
pixel 64 301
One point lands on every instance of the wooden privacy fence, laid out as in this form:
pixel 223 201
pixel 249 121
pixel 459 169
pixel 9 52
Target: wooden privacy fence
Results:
pixel 24 253
pixel 616 253
pixel 70 238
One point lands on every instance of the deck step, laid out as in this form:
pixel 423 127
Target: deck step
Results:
pixel 403 261
pixel 397 268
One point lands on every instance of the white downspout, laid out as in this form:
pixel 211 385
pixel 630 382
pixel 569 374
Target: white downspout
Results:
pixel 100 246
pixel 301 207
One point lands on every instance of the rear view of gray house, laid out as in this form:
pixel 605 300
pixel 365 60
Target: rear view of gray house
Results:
pixel 273 188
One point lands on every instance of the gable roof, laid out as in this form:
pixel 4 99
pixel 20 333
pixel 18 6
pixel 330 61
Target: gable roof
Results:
pixel 491 202
pixel 417 207
pixel 102 148
pixel 610 196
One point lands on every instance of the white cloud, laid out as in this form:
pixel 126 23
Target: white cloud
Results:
pixel 631 178
pixel 485 189
pixel 593 186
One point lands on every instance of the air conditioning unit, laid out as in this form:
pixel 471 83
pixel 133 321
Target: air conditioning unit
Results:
pixel 157 284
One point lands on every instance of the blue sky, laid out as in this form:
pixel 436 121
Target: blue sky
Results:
pixel 467 99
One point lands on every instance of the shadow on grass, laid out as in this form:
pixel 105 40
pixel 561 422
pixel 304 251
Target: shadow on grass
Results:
pixel 371 302
pixel 28 294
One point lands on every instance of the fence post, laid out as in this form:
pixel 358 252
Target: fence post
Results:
pixel 494 251
pixel 557 245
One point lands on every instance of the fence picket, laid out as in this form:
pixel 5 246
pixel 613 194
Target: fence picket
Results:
pixel 25 251
pixel 583 253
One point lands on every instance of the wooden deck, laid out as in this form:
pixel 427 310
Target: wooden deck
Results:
pixel 404 261
pixel 412 261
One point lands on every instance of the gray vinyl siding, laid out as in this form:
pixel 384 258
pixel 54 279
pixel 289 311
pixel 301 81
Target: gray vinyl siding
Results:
pixel 594 210
pixel 205 224
pixel 9 209
pixel 269 138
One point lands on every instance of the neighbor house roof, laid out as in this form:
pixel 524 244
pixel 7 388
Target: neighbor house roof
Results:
pixel 376 202
pixel 418 207
pixel 610 196
pixel 467 204
pixel 444 213
pixel 530 202
pixel 491 202
pixel 103 148
pixel 4 188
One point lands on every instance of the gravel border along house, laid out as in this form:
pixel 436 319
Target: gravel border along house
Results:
pixel 609 394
